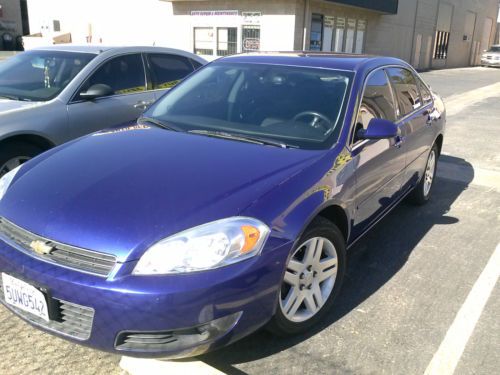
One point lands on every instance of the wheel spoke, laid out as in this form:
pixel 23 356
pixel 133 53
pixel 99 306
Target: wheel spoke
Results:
pixel 294 265
pixel 328 268
pixel 313 251
pixel 291 278
pixel 292 302
pixel 318 296
pixel 310 303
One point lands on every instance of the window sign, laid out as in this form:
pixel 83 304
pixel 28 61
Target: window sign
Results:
pixel 251 18
pixel 339 34
pixel 349 39
pixel 329 20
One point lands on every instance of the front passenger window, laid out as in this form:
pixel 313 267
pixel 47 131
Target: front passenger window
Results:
pixel 377 101
pixel 124 74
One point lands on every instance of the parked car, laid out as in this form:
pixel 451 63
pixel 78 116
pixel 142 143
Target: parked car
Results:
pixel 229 205
pixel 51 95
pixel 491 57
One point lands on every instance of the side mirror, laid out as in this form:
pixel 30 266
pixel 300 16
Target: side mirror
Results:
pixel 378 128
pixel 96 91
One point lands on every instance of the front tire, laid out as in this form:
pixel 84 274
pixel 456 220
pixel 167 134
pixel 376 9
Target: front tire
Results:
pixel 14 154
pixel 422 192
pixel 312 279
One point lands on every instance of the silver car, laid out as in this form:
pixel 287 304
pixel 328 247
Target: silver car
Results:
pixel 54 94
pixel 491 57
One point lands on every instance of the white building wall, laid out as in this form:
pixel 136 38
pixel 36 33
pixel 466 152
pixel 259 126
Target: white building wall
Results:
pixel 112 22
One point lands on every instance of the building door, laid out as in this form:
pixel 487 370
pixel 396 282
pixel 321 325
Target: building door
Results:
pixel 316 32
pixel 250 38
pixel 470 24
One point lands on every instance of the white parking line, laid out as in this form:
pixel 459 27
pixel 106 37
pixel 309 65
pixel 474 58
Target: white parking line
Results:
pixel 138 366
pixel 457 103
pixel 446 358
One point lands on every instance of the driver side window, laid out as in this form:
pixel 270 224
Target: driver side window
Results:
pixel 124 74
pixel 377 101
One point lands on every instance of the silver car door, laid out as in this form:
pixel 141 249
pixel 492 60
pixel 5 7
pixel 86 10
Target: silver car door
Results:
pixel 127 99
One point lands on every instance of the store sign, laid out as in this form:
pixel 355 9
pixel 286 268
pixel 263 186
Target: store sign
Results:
pixel 251 18
pixel 251 44
pixel 340 23
pixel 351 23
pixel 328 21
pixel 206 13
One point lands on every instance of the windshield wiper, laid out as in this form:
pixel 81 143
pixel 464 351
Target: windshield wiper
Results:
pixel 159 123
pixel 242 138
pixel 13 97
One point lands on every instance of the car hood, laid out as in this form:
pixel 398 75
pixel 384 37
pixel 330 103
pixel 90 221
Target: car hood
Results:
pixel 120 191
pixel 7 105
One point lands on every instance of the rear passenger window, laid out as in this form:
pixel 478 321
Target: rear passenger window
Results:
pixel 406 89
pixel 168 70
pixel 424 91
pixel 377 100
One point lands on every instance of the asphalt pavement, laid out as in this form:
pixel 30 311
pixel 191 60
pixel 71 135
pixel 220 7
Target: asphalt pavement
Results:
pixel 414 295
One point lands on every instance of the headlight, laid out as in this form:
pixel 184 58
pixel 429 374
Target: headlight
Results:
pixel 6 180
pixel 205 247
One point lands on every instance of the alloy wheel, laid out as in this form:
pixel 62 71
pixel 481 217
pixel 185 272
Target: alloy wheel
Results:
pixel 429 172
pixel 309 279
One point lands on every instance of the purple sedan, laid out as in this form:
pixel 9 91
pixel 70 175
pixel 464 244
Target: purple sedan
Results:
pixel 230 205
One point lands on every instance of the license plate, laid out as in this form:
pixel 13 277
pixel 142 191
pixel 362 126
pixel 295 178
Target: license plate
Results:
pixel 24 296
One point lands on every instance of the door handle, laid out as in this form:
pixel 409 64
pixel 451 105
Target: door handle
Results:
pixel 399 141
pixel 143 104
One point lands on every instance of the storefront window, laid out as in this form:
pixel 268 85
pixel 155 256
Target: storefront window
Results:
pixel 339 34
pixel 226 41
pixel 203 40
pixel 349 37
pixel 360 36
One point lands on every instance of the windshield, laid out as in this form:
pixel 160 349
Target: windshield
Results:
pixel 40 75
pixel 494 49
pixel 297 106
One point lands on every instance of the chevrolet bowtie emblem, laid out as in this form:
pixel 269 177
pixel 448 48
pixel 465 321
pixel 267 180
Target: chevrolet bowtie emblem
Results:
pixel 41 248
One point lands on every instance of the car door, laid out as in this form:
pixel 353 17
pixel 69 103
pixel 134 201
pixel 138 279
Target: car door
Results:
pixel 166 70
pixel 126 76
pixel 379 163
pixel 416 116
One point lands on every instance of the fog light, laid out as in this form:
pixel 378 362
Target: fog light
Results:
pixel 176 340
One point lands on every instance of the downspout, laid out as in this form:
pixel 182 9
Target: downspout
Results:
pixel 304 32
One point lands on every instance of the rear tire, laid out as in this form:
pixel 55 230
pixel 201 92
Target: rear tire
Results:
pixel 312 279
pixel 422 192
pixel 13 154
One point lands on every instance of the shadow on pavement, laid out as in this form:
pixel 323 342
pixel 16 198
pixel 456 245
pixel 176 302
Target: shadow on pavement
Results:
pixel 371 263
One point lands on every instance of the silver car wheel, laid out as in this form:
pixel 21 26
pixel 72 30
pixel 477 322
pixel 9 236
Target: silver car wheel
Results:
pixel 13 163
pixel 429 172
pixel 309 279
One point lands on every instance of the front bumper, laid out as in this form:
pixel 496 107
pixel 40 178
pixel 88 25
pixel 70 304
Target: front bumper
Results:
pixel 103 313
pixel 490 62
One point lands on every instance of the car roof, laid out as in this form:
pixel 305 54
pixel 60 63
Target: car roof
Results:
pixel 329 60
pixel 98 49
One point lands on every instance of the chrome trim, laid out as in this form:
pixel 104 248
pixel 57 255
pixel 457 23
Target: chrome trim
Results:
pixel 106 262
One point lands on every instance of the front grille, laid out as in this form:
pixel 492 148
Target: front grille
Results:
pixel 65 255
pixel 74 320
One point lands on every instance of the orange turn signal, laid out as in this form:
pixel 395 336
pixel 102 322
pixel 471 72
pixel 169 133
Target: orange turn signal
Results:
pixel 252 235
